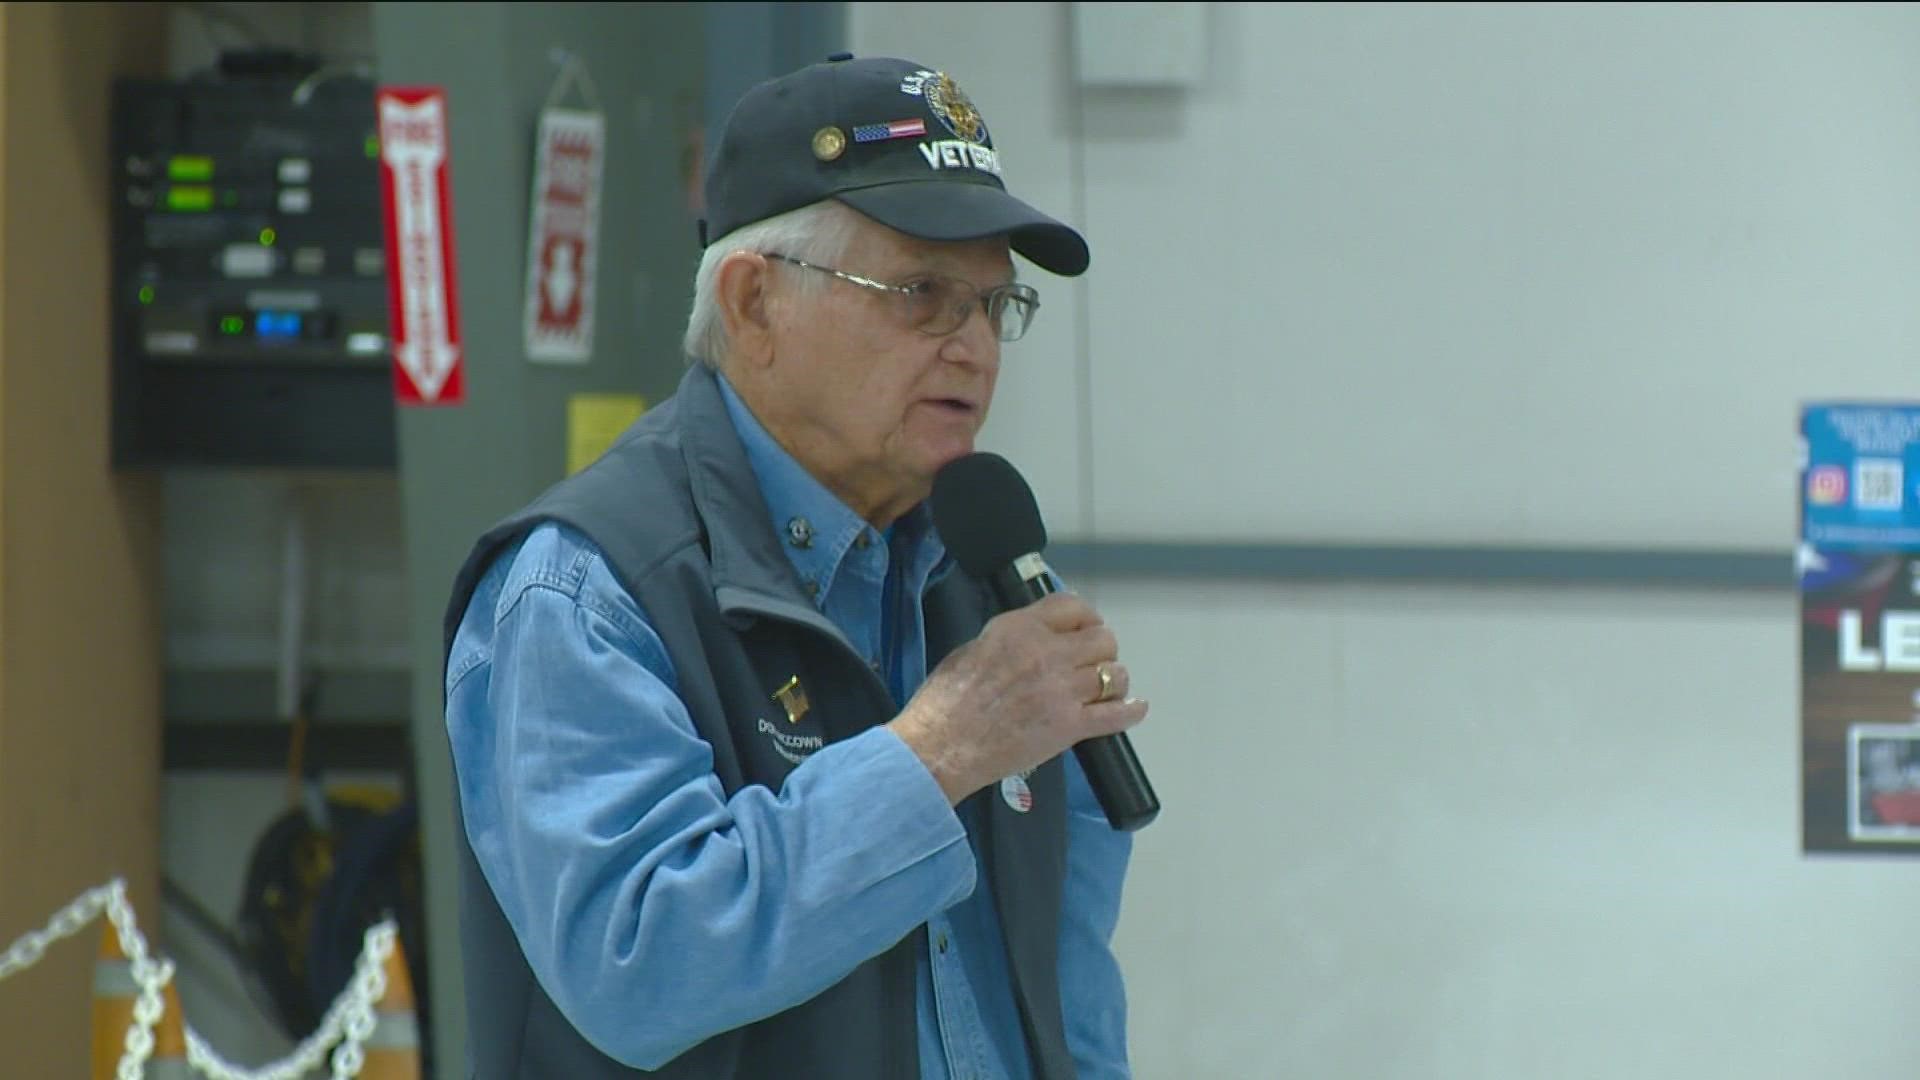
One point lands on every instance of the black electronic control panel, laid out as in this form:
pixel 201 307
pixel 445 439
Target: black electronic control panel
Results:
pixel 250 291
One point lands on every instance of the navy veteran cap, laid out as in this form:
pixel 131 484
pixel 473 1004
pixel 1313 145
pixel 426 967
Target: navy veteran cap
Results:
pixel 894 140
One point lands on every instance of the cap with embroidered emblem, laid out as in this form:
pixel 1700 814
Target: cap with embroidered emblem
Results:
pixel 895 140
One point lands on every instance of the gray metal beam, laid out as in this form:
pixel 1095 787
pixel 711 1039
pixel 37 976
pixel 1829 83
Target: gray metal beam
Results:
pixel 750 42
pixel 463 467
pixel 1699 569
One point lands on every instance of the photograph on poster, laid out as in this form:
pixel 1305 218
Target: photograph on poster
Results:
pixel 1883 770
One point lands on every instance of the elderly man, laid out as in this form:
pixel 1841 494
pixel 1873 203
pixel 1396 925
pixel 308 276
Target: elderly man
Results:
pixel 718 817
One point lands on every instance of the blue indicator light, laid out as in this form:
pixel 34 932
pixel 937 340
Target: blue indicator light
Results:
pixel 276 324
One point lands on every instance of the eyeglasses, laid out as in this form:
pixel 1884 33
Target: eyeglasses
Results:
pixel 937 305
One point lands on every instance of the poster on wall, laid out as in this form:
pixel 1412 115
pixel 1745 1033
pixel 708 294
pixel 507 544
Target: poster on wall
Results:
pixel 1858 563
pixel 417 203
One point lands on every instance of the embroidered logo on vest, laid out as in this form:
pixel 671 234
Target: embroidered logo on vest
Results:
pixel 795 748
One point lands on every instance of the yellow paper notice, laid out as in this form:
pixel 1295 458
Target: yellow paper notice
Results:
pixel 594 421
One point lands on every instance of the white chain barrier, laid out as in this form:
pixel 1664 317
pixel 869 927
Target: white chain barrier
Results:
pixel 348 1022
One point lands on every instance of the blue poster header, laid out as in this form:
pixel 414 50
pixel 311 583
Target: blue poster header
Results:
pixel 1860 478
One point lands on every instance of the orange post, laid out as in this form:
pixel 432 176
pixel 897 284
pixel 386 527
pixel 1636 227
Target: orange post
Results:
pixel 114 992
pixel 169 1060
pixel 393 1050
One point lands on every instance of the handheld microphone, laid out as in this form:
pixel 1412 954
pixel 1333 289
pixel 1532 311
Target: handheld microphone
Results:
pixel 987 517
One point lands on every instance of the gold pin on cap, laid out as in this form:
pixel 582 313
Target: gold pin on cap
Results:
pixel 829 143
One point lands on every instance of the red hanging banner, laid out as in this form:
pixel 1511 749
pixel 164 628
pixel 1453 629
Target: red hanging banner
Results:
pixel 416 200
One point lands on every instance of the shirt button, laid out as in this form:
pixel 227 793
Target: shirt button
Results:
pixel 860 540
pixel 800 532
pixel 941 944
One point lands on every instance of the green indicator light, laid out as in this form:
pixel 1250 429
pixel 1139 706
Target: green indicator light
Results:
pixel 229 198
pixel 267 237
pixel 146 294
pixel 190 168
pixel 232 324
pixel 189 198
pixel 373 146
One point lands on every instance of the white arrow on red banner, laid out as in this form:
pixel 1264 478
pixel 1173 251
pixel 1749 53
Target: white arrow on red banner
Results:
pixel 422 300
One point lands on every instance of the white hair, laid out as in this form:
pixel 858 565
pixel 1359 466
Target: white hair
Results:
pixel 818 233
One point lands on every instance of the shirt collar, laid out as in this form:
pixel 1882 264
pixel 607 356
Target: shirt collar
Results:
pixel 794 496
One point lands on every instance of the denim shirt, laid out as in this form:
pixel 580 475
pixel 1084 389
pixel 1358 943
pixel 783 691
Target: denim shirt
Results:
pixel 553 654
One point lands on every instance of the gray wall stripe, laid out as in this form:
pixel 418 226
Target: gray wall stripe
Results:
pixel 1712 569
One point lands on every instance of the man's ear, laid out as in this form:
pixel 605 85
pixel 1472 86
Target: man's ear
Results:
pixel 740 289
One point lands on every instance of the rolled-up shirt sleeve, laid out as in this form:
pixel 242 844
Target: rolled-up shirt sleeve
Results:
pixel 655 910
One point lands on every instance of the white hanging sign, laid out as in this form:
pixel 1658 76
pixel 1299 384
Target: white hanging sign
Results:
pixel 563 236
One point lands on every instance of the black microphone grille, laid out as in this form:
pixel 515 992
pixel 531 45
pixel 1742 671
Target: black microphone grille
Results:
pixel 985 513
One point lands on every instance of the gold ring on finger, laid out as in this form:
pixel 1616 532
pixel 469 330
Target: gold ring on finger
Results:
pixel 1106 681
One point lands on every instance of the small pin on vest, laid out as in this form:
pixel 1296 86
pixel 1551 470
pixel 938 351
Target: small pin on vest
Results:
pixel 793 698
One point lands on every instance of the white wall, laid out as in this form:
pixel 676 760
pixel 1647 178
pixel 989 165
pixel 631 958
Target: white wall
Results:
pixel 1421 274
pixel 1480 834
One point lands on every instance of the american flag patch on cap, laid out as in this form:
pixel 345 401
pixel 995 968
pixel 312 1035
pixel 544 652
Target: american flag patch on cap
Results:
pixel 895 129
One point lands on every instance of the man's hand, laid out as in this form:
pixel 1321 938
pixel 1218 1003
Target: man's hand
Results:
pixel 1025 690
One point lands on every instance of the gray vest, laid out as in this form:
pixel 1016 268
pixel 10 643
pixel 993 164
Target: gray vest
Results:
pixel 676 509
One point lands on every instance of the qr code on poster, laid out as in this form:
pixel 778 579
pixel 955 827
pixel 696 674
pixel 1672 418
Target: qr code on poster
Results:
pixel 1878 483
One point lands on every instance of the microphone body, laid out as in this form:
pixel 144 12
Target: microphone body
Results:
pixel 1113 770
pixel 986 514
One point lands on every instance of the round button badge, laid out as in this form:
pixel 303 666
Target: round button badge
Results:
pixel 1017 794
